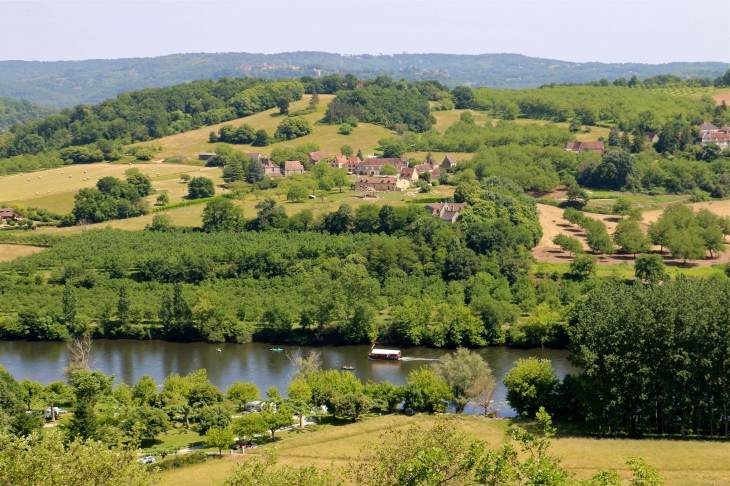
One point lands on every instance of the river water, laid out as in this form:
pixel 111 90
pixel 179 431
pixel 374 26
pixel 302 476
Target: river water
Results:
pixel 130 359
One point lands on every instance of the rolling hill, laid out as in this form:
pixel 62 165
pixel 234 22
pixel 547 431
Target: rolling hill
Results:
pixel 67 83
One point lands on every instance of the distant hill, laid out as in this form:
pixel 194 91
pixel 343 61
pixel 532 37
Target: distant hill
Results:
pixel 20 111
pixel 67 83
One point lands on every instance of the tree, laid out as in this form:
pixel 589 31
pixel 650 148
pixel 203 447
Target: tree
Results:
pixel 339 178
pixel 313 101
pixel 583 265
pixel 263 473
pixel 44 459
pixel 426 392
pixel 575 125
pixel 221 214
pixel 568 243
pixel 163 199
pixel 219 438
pixel 68 304
pixel 242 392
pixel 83 424
pixel 345 129
pixel 622 206
pixel 200 187
pixel 32 391
pixel 185 178
pixel 275 421
pixel 463 97
pixel 297 192
pixel 360 155
pixel 124 304
pixel 392 147
pixel 530 385
pixel 144 391
pixel 147 422
pixel 630 238
pixel 249 426
pixel 539 328
pixel 650 267
pixel 283 103
pixel 261 139
pixel 215 416
pixel 388 170
pixel 577 194
pixel 510 111
pixel 686 244
pixel 462 371
pixel 347 150
pixel 300 396
pixel 292 128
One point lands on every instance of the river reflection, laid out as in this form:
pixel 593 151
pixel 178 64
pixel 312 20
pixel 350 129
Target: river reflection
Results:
pixel 129 360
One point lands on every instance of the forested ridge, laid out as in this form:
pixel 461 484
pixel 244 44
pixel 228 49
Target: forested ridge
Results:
pixel 66 83
pixel 14 111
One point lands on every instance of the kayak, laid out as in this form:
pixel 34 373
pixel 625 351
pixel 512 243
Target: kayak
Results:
pixel 277 350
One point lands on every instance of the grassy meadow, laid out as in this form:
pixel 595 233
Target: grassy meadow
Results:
pixel 680 462
pixel 54 189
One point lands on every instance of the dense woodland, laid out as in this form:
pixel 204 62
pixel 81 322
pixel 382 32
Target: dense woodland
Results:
pixel 14 111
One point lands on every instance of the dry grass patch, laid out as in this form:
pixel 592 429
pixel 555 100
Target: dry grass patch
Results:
pixel 11 252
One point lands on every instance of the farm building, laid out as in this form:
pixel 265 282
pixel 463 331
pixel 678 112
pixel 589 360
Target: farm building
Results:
pixel 381 184
pixel 271 169
pixel 338 162
pixel 409 173
pixel 448 162
pixel 315 157
pixel 293 167
pixel 9 213
pixel 446 211
pixel 578 147
pixel 373 166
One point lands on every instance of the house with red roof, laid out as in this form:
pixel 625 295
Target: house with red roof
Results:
pixel 293 167
pixel 339 161
pixel 315 157
pixel 372 166
pixel 409 173
pixel 578 147
pixel 446 211
pixel 370 184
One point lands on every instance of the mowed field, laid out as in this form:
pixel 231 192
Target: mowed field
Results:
pixel 680 462
pixel 720 97
pixel 190 144
pixel 54 189
pixel 11 252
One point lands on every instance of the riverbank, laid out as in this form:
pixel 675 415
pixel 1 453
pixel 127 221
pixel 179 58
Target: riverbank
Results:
pixel 254 362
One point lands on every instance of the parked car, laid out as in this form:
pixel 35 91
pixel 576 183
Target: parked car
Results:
pixel 147 460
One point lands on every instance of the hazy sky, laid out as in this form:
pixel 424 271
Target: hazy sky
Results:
pixel 649 31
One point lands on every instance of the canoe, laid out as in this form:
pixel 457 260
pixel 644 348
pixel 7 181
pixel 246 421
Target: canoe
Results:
pixel 277 350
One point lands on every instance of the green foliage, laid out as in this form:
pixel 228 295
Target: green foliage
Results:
pixel 220 214
pixel 291 128
pixel 14 111
pixel 264 96
pixel 426 392
pixel 635 371
pixel 530 385
pixel 200 187
pixel 382 102
pixel 264 473
pixel 463 371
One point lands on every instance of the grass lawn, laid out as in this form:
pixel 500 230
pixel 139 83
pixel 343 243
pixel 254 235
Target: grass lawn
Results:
pixel 680 462
pixel 584 135
pixel 444 119
pixel 608 198
pixel 179 437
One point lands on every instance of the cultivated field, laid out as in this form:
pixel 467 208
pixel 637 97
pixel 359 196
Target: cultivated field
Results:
pixel 720 97
pixel 680 462
pixel 687 91
pixel 54 189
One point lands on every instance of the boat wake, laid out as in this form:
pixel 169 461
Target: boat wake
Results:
pixel 406 358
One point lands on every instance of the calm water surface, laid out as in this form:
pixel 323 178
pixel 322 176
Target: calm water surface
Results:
pixel 129 360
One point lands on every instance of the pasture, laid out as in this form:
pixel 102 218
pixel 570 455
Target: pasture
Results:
pixel 54 189
pixel 189 144
pixel 680 462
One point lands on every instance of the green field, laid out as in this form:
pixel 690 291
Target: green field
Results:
pixel 54 189
pixel 680 462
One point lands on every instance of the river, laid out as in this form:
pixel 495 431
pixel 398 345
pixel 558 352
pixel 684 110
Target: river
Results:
pixel 130 359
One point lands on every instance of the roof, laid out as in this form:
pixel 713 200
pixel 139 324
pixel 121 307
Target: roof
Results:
pixel 425 167
pixel 408 171
pixel 376 180
pixel 7 212
pixel 353 160
pixel 436 173
pixel 253 155
pixel 431 161
pixel 212 154
pixel 381 162
pixel 317 156
pixel 579 146
pixel 436 208
pixel 340 159
pixel 718 137
pixel 384 351
pixel 708 126
pixel 293 165
pixel 449 159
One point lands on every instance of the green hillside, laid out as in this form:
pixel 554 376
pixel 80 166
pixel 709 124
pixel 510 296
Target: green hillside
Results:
pixel 14 111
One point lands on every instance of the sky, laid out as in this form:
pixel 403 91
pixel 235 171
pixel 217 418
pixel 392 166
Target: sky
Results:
pixel 646 31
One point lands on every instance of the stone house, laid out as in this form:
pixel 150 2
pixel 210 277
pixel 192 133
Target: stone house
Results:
pixel 293 167
pixel 373 166
pixel 315 157
pixel 446 211
pixel 448 162
pixel 381 184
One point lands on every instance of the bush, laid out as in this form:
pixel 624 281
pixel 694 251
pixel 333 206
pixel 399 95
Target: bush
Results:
pixel 531 384
pixel 292 128
pixel 145 154
pixel 346 129
pixel 183 460
pixel 200 187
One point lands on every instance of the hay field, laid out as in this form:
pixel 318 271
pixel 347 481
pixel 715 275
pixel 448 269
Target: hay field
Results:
pixel 11 252
pixel 444 119
pixel 190 144
pixel 54 189
pixel 720 97
pixel 680 462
